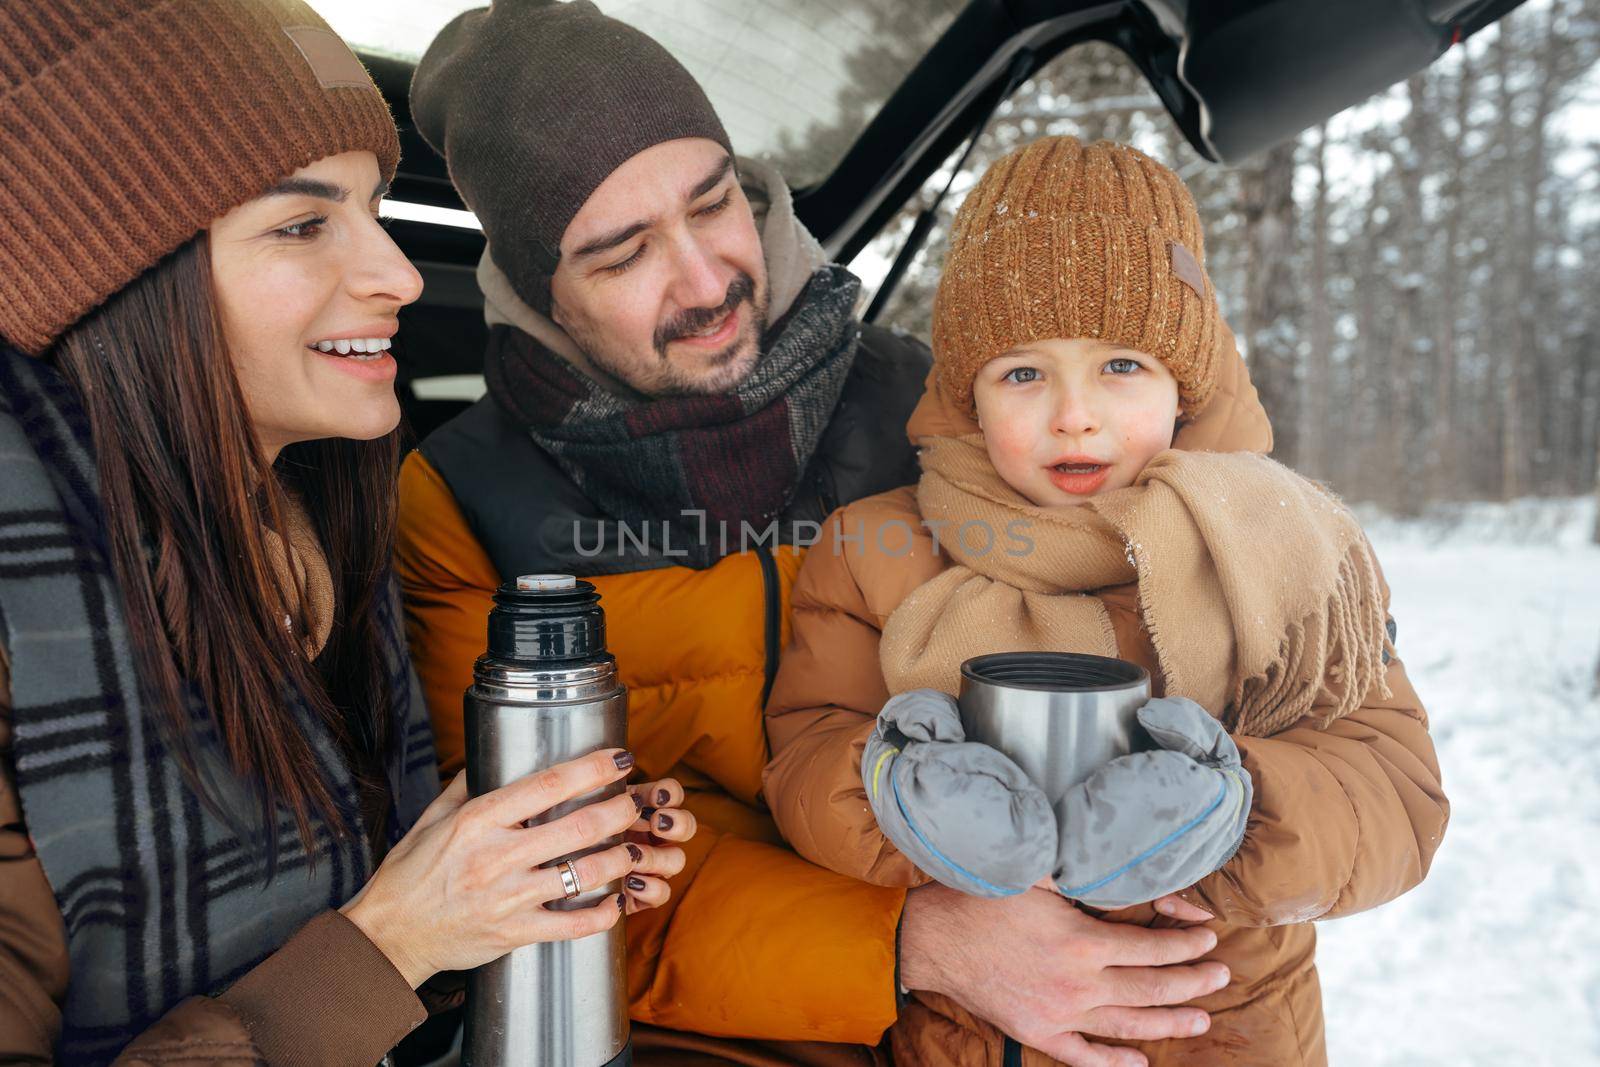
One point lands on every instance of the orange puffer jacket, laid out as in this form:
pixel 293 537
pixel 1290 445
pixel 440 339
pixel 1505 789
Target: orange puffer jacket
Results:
pixel 1345 818
pixel 736 951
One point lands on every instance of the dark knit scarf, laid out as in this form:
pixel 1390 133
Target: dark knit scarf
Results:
pixel 161 900
pixel 735 457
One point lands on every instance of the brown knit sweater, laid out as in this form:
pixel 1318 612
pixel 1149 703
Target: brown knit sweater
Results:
pixel 328 995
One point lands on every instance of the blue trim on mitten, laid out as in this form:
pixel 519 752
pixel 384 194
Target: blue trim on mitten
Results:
pixel 1147 853
pixel 997 890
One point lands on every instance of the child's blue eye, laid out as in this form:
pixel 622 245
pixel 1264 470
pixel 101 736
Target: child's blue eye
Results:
pixel 1123 366
pixel 1021 375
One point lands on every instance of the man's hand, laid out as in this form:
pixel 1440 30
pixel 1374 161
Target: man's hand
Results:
pixel 1045 973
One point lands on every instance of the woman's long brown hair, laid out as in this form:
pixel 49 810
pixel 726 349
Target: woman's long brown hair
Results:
pixel 188 498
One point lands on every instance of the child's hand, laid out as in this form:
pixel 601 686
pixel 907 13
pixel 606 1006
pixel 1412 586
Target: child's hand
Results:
pixel 1153 823
pixel 961 811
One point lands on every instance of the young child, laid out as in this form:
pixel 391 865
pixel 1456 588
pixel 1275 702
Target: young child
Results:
pixel 1087 486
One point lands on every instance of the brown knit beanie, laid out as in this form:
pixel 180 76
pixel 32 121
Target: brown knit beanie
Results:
pixel 533 104
pixel 1062 239
pixel 128 126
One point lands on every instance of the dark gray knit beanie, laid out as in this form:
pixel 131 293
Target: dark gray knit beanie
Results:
pixel 533 104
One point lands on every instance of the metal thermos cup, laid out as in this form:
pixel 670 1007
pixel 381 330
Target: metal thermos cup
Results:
pixel 545 692
pixel 1058 715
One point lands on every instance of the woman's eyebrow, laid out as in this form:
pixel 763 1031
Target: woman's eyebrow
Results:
pixel 309 187
pixel 322 190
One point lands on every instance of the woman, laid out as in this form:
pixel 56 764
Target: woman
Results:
pixel 209 733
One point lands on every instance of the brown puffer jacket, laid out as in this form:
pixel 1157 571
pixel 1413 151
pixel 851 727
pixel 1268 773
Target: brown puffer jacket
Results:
pixel 1345 818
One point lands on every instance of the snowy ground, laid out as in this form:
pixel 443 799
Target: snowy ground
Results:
pixel 1495 959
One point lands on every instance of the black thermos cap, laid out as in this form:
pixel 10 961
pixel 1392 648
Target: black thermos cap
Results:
pixel 547 618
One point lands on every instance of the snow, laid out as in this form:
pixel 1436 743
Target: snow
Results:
pixel 1495 958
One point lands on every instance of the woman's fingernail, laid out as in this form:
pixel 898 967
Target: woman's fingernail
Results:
pixel 638 801
pixel 1165 908
pixel 662 798
pixel 1199 1025
pixel 635 853
pixel 634 883
pixel 623 760
pixel 622 902
pixel 663 821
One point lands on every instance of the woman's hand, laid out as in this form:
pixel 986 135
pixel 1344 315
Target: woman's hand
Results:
pixel 662 819
pixel 465 885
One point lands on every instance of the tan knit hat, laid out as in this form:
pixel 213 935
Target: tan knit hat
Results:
pixel 127 126
pixel 1062 239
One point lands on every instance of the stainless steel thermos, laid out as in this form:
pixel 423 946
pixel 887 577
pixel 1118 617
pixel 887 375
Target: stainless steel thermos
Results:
pixel 1058 715
pixel 547 691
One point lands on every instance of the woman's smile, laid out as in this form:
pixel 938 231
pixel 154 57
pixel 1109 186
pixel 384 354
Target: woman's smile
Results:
pixel 363 354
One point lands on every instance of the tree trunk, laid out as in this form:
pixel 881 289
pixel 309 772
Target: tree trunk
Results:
pixel 1267 201
pixel 1597 494
pixel 1536 411
pixel 1509 354
pixel 1443 464
pixel 1317 404
pixel 1407 289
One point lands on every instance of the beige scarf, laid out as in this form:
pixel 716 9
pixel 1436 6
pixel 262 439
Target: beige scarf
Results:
pixel 1259 590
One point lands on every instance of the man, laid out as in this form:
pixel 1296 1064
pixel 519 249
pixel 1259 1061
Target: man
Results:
pixel 679 395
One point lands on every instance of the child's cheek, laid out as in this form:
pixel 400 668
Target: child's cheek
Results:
pixel 1150 434
pixel 1011 446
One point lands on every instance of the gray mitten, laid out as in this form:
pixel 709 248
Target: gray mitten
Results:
pixel 961 811
pixel 1153 823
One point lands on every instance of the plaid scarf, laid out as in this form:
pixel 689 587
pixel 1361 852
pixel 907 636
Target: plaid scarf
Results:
pixel 160 899
pixel 735 457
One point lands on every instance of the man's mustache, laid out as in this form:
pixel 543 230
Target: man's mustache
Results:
pixel 693 320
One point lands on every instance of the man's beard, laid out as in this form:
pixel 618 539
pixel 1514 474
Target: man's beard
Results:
pixel 720 372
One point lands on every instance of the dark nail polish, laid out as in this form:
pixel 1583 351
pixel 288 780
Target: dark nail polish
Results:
pixel 635 853
pixel 634 883
pixel 647 813
pixel 638 801
pixel 622 902
pixel 623 760
pixel 662 797
pixel 663 821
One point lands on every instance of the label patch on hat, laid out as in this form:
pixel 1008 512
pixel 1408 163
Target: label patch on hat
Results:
pixel 329 57
pixel 1187 268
